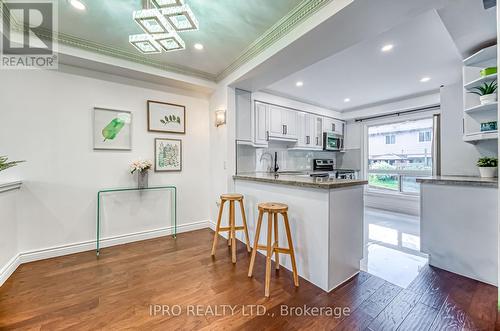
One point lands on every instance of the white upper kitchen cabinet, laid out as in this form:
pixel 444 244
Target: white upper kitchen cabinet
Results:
pixel 276 125
pixel 282 123
pixel 333 125
pixel 291 124
pixel 243 116
pixel 318 132
pixel 340 126
pixel 306 131
pixel 261 124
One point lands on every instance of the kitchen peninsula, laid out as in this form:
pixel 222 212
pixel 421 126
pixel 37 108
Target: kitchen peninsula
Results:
pixel 459 226
pixel 326 220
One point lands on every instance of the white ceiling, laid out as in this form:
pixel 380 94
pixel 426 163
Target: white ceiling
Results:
pixel 365 75
pixel 469 24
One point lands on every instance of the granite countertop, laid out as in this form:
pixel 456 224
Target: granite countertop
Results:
pixel 300 180
pixel 460 180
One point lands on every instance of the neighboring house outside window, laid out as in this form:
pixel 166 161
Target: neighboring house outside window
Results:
pixel 398 153
pixel 424 136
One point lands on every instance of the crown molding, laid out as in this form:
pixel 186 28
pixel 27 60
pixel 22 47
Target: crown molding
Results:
pixel 301 100
pixel 299 14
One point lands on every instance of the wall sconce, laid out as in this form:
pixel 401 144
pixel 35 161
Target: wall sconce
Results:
pixel 220 117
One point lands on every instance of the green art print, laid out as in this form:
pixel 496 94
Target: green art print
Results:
pixel 168 154
pixel 112 129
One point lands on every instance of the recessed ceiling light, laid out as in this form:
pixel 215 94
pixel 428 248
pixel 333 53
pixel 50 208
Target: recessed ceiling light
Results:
pixel 425 79
pixel 347 100
pixel 299 84
pixel 387 48
pixel 198 46
pixel 77 4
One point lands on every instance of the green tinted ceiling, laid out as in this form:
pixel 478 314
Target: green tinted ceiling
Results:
pixel 227 28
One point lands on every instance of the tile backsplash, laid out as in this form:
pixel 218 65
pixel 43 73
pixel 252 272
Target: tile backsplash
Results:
pixel 255 159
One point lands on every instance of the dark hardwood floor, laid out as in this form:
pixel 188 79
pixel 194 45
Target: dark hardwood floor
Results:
pixel 120 290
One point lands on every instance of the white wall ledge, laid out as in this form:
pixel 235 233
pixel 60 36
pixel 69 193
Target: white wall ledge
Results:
pixel 9 186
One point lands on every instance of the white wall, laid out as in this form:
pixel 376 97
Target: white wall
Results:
pixel 220 175
pixel 46 119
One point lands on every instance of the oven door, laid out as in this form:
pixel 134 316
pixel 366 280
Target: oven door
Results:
pixel 332 142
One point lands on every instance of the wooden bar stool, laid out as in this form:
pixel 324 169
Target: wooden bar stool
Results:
pixel 232 228
pixel 273 209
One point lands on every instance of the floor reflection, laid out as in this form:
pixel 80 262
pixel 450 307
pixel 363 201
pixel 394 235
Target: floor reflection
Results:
pixel 392 247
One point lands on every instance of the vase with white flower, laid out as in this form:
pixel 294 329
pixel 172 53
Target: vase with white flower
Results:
pixel 142 168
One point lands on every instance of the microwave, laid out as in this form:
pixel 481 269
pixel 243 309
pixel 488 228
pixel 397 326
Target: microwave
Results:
pixel 332 141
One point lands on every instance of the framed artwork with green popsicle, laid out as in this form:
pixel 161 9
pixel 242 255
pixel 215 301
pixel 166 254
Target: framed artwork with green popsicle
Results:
pixel 112 129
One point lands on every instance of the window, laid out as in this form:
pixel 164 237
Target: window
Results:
pixel 424 136
pixel 394 167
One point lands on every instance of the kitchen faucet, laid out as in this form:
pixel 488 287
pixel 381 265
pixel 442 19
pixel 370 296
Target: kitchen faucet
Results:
pixel 273 160
pixel 276 168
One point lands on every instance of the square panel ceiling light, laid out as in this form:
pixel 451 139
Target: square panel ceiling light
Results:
pixel 181 18
pixel 151 21
pixel 145 43
pixel 170 41
pixel 167 3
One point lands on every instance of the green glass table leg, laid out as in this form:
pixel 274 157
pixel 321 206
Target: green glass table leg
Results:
pixel 175 213
pixel 174 206
pixel 98 221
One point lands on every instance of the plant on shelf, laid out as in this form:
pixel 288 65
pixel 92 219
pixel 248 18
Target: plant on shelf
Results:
pixel 487 92
pixel 142 167
pixel 4 164
pixel 488 166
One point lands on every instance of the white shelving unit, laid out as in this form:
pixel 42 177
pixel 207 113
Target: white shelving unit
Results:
pixel 474 112
pixel 485 57
pixel 480 81
pixel 480 136
pixel 490 107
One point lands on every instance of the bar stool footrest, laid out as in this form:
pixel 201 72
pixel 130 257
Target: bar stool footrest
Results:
pixel 229 228
pixel 274 249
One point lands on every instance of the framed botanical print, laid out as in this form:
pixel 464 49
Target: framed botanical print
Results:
pixel 112 129
pixel 166 117
pixel 168 154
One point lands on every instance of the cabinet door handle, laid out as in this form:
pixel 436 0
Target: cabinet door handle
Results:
pixel 317 141
pixel 333 126
pixel 286 129
pixel 308 140
pixel 267 135
pixel 282 129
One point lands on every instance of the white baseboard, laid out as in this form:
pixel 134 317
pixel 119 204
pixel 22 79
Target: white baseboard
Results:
pixel 445 265
pixel 400 203
pixel 46 253
pixel 8 269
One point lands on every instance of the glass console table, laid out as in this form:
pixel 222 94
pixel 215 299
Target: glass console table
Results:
pixel 172 189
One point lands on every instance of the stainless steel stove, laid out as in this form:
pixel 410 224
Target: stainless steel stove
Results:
pixel 325 168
